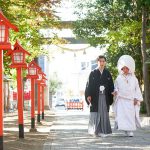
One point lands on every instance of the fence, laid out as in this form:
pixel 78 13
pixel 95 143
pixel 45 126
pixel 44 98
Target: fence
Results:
pixel 74 105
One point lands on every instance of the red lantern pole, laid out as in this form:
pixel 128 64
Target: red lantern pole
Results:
pixel 40 91
pixel 33 105
pixel 33 69
pixel 20 102
pixel 1 100
pixel 42 102
pixel 18 62
pixel 5 25
pixel 39 101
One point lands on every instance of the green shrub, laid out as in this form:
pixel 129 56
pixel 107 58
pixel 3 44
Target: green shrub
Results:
pixel 143 108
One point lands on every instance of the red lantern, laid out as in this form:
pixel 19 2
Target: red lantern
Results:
pixel 41 77
pixel 33 69
pixel 43 82
pixel 18 62
pixel 18 56
pixel 5 25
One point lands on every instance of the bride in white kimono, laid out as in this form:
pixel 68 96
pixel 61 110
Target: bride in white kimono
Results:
pixel 127 97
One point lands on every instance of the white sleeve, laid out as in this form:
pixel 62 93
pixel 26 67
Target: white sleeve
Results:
pixel 138 94
pixel 116 85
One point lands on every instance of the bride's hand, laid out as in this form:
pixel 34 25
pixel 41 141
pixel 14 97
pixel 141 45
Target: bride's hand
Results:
pixel 135 101
pixel 114 93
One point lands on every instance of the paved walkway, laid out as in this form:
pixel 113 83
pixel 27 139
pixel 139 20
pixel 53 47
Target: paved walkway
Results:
pixel 69 132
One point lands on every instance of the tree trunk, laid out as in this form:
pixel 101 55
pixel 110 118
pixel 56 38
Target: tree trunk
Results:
pixel 145 66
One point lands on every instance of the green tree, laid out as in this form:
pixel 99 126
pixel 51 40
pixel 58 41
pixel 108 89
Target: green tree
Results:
pixel 117 24
pixel 30 16
pixel 54 84
pixel 144 47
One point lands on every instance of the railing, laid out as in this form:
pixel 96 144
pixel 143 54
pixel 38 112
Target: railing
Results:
pixel 74 105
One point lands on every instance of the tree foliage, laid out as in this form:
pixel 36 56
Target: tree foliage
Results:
pixel 112 23
pixel 30 16
pixel 117 25
pixel 54 84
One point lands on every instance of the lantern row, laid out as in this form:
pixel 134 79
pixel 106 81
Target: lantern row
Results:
pixel 35 74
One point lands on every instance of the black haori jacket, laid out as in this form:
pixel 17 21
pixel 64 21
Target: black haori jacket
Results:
pixel 92 88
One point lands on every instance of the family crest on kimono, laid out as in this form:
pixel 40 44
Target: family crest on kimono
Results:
pixel 98 95
pixel 127 97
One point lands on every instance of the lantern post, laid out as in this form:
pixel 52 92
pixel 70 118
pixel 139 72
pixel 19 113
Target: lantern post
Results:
pixel 5 25
pixel 33 69
pixel 43 84
pixel 42 102
pixel 18 62
pixel 39 87
pixel 39 80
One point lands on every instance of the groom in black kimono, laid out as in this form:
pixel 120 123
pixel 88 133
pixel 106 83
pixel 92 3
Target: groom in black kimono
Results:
pixel 99 96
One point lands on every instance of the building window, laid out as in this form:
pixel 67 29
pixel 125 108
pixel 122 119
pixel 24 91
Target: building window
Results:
pixel 84 65
pixel 94 64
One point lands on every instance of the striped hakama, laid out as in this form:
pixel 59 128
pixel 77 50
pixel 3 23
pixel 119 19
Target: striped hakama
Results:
pixel 99 122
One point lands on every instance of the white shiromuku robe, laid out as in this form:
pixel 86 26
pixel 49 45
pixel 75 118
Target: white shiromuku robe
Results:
pixel 126 113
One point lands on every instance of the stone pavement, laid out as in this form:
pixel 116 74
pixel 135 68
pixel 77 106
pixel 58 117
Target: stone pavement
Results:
pixel 69 132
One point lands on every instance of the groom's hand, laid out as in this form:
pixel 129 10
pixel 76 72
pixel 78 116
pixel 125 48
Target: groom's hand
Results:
pixel 89 99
